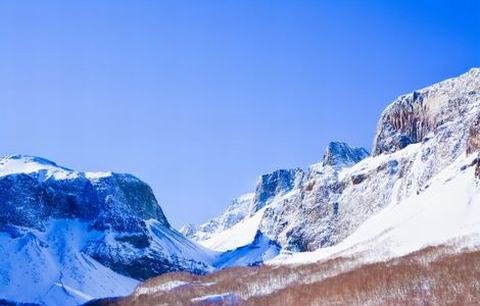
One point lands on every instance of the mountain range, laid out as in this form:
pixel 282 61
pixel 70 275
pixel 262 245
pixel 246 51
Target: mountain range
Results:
pixel 69 237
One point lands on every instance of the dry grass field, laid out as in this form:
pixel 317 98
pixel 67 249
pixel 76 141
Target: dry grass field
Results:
pixel 432 276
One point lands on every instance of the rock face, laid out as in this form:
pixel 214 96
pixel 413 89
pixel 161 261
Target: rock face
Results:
pixel 340 155
pixel 115 217
pixel 304 218
pixel 417 136
pixel 276 183
pixel 412 117
pixel 473 140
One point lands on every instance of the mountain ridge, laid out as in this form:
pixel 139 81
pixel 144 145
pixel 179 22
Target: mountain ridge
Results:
pixel 69 236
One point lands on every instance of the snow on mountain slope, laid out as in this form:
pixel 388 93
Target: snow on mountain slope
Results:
pixel 330 206
pixel 234 213
pixel 257 252
pixel 238 235
pixel 447 212
pixel 418 135
pixel 68 237
pixel 48 266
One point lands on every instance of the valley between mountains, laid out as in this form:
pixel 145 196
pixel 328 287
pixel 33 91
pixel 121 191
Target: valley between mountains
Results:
pixel 399 225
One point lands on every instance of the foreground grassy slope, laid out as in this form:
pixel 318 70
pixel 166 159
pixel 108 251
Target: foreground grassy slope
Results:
pixel 432 276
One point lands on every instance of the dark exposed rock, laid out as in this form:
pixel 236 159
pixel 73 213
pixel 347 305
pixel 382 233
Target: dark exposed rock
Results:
pixel 277 182
pixel 473 140
pixel 405 122
pixel 340 154
pixel 476 164
pixel 357 179
pixel 24 201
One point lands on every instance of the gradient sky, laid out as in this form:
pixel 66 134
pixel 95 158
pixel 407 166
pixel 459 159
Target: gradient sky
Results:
pixel 198 98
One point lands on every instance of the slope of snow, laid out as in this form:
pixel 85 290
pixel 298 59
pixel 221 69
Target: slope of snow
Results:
pixel 235 212
pixel 238 235
pixel 49 267
pixel 447 211
pixel 16 164
pixel 175 244
pixel 162 287
pixel 257 252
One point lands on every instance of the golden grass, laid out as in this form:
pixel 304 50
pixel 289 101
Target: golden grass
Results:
pixel 426 277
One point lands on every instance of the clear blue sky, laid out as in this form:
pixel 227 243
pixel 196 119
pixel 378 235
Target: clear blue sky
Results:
pixel 197 98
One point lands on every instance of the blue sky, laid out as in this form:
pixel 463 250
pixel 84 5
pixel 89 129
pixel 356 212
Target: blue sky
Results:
pixel 198 98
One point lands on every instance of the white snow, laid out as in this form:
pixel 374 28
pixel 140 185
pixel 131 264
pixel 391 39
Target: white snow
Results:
pixel 16 164
pixel 238 235
pixel 54 269
pixel 172 243
pixel 162 287
pixel 238 210
pixel 222 298
pixel 97 175
pixel 259 251
pixel 29 164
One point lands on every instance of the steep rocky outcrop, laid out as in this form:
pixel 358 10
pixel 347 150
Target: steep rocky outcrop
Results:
pixel 412 117
pixel 473 140
pixel 340 154
pixel 275 183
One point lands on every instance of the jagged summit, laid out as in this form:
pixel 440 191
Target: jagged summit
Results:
pixel 340 154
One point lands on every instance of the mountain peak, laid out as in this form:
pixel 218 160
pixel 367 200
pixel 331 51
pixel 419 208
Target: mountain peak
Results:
pixel 340 154
pixel 29 158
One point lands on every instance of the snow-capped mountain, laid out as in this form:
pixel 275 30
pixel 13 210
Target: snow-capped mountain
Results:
pixel 67 237
pixel 272 190
pixel 319 207
pixel 415 200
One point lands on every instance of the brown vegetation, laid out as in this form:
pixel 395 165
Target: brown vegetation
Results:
pixel 426 277
pixel 449 280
